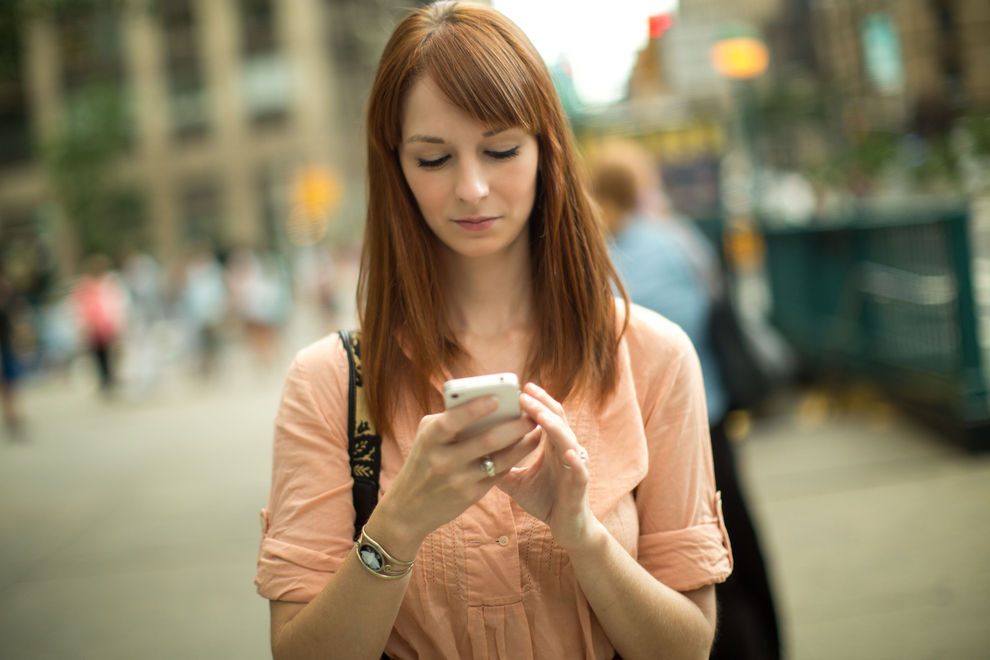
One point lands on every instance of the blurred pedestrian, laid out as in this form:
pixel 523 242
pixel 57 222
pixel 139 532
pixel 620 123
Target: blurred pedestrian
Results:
pixel 316 280
pixel 669 266
pixel 204 303
pixel 584 528
pixel 144 281
pixel 101 306
pixel 11 307
pixel 262 299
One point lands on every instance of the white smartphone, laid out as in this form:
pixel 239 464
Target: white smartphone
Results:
pixel 504 387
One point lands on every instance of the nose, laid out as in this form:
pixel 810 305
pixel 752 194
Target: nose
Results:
pixel 472 183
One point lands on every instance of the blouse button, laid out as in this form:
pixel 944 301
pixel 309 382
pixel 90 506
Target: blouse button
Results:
pixel 503 540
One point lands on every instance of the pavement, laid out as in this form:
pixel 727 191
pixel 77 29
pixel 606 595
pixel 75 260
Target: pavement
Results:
pixel 877 530
pixel 129 528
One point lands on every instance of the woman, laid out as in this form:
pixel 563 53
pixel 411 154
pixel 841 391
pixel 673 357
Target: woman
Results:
pixel 599 531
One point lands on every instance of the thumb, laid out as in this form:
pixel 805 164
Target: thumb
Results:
pixel 512 479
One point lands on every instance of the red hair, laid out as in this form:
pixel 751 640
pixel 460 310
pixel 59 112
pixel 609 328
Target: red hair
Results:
pixel 487 67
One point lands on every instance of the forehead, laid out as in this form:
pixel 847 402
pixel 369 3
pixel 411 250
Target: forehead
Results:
pixel 427 112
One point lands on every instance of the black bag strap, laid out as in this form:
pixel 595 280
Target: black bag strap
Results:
pixel 364 445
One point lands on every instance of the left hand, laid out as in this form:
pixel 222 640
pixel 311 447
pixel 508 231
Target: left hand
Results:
pixel 554 487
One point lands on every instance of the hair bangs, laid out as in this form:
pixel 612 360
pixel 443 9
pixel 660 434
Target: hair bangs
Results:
pixel 490 82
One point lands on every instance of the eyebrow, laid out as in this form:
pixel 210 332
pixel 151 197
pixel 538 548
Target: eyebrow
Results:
pixel 430 139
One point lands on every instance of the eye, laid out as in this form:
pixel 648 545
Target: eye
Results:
pixel 503 155
pixel 432 164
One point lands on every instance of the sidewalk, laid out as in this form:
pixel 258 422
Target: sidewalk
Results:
pixel 129 530
pixel 878 531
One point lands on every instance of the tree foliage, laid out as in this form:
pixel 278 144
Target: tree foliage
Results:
pixel 92 134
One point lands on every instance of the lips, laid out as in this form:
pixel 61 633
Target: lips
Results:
pixel 479 223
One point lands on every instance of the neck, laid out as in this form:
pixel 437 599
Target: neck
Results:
pixel 491 295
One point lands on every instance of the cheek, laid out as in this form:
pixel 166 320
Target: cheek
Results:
pixel 523 184
pixel 428 192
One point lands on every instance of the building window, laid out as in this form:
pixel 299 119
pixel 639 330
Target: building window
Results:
pixel 272 190
pixel 882 53
pixel 90 44
pixel 948 55
pixel 355 39
pixel 91 54
pixel 258 26
pixel 187 90
pixel 266 77
pixel 127 220
pixel 202 212
pixel 15 144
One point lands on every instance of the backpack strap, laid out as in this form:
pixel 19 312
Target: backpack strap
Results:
pixel 363 442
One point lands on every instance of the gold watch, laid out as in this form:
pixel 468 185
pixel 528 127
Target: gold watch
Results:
pixel 378 561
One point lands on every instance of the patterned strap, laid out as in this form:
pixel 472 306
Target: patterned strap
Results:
pixel 363 442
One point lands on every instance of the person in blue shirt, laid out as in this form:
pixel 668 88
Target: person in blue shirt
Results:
pixel 669 266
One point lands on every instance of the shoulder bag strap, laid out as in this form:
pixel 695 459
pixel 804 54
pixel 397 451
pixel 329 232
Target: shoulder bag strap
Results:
pixel 363 442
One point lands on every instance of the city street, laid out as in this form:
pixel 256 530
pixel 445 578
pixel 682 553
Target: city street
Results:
pixel 188 186
pixel 130 527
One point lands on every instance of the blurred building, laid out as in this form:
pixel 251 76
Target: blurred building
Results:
pixel 224 103
pixel 917 63
pixel 906 55
pixel 678 105
pixel 845 78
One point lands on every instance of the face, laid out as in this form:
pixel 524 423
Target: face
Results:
pixel 474 184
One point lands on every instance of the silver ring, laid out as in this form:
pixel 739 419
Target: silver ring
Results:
pixel 488 466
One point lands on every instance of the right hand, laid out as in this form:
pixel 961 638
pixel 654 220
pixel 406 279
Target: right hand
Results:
pixel 442 476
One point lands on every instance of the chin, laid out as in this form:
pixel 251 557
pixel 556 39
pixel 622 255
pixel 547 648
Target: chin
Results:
pixel 484 247
pixel 478 252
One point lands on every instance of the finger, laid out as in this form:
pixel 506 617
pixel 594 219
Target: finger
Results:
pixel 562 438
pixel 510 480
pixel 533 406
pixel 510 457
pixel 541 395
pixel 493 440
pixel 456 419
pixel 551 420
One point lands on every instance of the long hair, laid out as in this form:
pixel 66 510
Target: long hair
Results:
pixel 487 67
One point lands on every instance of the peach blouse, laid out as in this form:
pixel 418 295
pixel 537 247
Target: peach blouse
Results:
pixel 493 583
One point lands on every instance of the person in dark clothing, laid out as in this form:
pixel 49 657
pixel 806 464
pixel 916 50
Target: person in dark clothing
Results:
pixel 9 366
pixel 747 624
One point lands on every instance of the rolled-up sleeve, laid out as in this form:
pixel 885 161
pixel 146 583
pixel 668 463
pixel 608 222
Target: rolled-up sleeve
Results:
pixel 682 542
pixel 310 515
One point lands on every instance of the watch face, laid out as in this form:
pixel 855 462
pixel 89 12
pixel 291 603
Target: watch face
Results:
pixel 371 558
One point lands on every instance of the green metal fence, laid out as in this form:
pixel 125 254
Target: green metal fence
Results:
pixel 889 296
